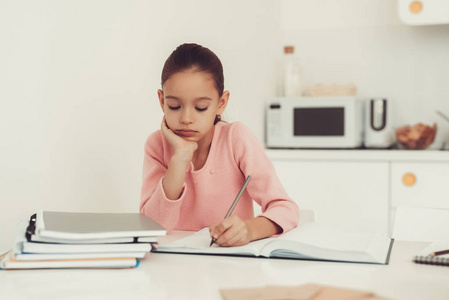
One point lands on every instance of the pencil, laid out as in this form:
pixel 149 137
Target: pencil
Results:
pixel 234 203
pixel 439 253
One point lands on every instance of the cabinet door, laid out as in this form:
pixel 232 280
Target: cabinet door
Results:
pixel 420 185
pixel 351 195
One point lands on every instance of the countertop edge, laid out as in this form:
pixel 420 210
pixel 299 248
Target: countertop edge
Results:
pixel 359 155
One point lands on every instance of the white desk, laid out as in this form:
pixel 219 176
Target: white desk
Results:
pixel 175 276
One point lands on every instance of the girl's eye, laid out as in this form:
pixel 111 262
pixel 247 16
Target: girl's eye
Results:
pixel 174 107
pixel 201 109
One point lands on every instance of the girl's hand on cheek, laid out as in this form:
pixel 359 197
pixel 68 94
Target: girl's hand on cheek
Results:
pixel 231 232
pixel 182 147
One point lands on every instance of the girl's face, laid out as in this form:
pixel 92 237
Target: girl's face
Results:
pixel 190 102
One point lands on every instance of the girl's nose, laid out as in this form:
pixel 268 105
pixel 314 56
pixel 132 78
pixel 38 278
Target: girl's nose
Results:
pixel 186 117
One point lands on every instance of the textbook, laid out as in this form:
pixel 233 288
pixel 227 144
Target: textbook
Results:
pixel 30 247
pixel 9 263
pixel 65 256
pixel 311 241
pixel 145 239
pixel 85 226
pixel 24 250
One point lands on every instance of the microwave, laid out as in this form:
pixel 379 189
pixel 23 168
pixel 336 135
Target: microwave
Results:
pixel 314 122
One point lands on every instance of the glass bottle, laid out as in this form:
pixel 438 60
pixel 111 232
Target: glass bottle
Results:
pixel 292 74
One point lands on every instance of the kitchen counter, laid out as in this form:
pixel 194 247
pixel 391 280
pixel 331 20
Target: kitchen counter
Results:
pixel 359 154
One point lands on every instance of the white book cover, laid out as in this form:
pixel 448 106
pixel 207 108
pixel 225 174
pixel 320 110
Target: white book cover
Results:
pixel 79 225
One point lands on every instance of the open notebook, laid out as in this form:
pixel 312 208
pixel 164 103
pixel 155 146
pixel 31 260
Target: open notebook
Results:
pixel 311 241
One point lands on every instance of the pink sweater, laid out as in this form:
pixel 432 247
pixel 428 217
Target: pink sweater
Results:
pixel 209 192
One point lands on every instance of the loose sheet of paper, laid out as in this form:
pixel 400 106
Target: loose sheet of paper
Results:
pixel 302 292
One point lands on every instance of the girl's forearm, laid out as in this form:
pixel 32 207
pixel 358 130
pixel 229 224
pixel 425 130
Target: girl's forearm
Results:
pixel 262 227
pixel 173 180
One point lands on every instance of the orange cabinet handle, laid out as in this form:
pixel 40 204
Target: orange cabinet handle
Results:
pixel 416 7
pixel 409 179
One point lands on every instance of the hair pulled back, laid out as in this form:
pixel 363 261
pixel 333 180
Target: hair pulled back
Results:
pixel 188 56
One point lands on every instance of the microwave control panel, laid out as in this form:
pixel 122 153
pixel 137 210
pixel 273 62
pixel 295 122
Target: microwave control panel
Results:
pixel 273 120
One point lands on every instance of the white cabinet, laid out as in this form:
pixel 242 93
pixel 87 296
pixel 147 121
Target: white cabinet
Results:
pixel 423 185
pixel 352 195
pixel 424 12
pixel 419 201
pixel 361 189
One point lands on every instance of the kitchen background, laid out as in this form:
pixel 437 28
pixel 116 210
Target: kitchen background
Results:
pixel 78 82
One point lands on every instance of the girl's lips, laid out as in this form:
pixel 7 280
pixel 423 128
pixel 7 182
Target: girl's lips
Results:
pixel 186 132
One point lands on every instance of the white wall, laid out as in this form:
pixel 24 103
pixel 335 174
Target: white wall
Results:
pixel 78 82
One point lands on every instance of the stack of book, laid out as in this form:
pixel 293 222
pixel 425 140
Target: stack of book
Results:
pixel 82 240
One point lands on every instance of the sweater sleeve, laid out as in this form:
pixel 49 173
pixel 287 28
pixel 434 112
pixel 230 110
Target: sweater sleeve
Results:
pixel 154 203
pixel 265 187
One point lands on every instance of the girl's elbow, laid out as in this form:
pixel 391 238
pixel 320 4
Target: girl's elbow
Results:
pixel 296 213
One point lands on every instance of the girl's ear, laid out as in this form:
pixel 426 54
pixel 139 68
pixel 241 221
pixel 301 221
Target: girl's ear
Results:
pixel 160 95
pixel 223 102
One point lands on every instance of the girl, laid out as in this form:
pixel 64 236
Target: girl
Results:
pixel 196 164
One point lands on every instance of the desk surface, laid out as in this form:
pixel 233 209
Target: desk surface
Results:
pixel 177 276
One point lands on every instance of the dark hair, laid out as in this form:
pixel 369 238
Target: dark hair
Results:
pixel 188 56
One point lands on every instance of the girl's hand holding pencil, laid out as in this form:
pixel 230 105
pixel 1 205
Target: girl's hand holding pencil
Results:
pixel 232 231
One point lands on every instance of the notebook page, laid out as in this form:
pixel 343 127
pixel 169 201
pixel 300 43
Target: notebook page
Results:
pixel 380 245
pixel 316 241
pixel 327 237
pixel 199 243
pixel 435 247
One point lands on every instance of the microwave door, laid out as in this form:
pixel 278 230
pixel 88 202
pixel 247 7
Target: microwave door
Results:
pixel 319 127
pixel 319 121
